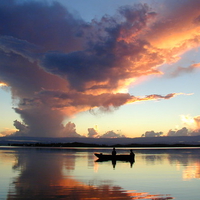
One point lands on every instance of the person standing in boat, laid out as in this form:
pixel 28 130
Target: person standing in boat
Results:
pixel 113 152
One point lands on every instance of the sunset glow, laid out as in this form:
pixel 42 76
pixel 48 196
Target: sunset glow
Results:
pixel 188 120
pixel 2 84
pixel 192 172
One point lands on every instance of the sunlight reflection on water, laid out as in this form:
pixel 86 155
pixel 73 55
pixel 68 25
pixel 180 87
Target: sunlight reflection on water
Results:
pixel 72 173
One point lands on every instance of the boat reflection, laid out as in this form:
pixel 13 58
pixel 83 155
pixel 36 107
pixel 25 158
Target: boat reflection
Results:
pixel 114 162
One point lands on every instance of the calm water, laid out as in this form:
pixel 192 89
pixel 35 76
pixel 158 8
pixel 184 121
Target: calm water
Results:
pixel 30 173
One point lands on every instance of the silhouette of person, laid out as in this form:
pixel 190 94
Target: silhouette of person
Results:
pixel 113 152
pixel 131 153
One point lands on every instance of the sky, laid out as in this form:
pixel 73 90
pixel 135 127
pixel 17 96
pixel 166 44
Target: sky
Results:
pixel 99 68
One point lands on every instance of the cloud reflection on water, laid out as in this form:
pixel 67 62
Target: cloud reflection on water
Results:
pixel 50 174
pixel 187 158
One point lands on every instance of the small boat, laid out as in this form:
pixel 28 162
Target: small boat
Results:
pixel 120 157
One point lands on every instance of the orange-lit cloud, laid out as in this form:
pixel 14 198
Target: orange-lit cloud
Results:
pixel 80 101
pixel 2 84
pixel 174 29
pixel 7 132
pixel 192 122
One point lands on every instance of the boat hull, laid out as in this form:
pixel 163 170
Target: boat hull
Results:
pixel 116 157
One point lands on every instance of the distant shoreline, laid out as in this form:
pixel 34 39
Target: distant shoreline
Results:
pixel 179 141
pixel 78 144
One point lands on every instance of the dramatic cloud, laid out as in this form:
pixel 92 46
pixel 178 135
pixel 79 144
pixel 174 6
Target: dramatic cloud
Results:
pixel 74 101
pixel 56 65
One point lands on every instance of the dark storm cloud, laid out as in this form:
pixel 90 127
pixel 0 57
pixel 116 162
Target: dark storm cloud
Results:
pixel 9 44
pixel 105 59
pixel 50 26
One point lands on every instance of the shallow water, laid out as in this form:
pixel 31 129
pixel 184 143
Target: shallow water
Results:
pixel 72 173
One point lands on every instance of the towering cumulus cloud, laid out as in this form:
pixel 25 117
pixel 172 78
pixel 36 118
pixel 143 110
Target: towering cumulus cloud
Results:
pixel 56 64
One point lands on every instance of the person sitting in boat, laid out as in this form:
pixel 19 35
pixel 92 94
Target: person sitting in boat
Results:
pixel 113 152
pixel 131 153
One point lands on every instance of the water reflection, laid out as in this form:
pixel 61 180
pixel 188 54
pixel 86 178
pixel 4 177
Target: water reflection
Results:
pixel 183 156
pixel 114 162
pixel 52 174
pixel 41 177
pixel 192 172
pixel 189 158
